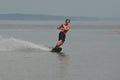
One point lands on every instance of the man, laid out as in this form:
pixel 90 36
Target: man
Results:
pixel 64 28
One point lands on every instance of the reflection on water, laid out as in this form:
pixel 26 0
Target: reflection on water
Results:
pixel 63 66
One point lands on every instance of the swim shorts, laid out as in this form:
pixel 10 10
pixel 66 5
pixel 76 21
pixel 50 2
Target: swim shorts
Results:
pixel 61 36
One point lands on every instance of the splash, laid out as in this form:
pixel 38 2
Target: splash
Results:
pixel 13 44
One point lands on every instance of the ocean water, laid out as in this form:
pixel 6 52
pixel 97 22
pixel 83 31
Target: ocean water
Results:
pixel 91 51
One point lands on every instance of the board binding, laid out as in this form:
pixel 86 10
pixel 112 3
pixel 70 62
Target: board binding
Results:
pixel 56 49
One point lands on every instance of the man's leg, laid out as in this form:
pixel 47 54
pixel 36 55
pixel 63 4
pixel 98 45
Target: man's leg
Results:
pixel 59 43
pixel 61 39
pixel 57 47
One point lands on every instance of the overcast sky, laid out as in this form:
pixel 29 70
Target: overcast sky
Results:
pixel 91 8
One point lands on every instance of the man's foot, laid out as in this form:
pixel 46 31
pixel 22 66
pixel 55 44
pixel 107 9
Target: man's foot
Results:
pixel 56 49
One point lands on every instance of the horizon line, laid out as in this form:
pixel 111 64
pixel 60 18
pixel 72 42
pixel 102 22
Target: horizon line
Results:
pixel 55 15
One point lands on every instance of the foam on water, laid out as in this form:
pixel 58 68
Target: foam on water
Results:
pixel 13 44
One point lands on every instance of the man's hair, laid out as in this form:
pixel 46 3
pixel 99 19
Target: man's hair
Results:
pixel 67 20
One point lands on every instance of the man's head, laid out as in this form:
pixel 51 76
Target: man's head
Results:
pixel 67 21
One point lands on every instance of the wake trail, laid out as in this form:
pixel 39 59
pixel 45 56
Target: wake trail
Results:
pixel 13 44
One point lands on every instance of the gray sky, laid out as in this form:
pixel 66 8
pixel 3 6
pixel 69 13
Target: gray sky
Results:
pixel 91 8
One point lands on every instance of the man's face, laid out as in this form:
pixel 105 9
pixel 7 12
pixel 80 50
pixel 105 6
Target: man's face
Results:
pixel 67 21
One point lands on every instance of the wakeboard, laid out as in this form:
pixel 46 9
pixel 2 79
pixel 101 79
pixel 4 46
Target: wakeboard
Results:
pixel 56 49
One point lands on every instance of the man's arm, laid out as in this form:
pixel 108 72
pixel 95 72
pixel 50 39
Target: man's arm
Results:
pixel 63 27
pixel 60 27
